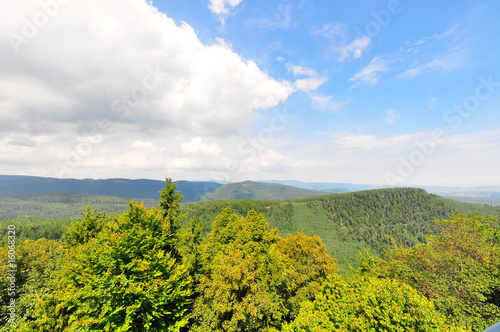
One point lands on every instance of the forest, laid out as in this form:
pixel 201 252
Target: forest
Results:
pixel 379 260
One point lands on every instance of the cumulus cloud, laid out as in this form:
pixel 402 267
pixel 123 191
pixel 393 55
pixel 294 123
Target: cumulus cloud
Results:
pixel 197 146
pixel 219 6
pixel 129 63
pixel 270 158
pixel 223 8
pixel 121 70
pixel 143 145
pixel 371 73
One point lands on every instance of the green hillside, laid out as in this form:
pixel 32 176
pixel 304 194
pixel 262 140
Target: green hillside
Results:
pixel 348 223
pixel 126 188
pixel 493 201
pixel 258 190
pixel 149 269
pixel 242 256
pixel 61 205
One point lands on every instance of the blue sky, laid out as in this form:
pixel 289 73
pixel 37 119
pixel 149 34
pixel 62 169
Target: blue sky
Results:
pixel 373 92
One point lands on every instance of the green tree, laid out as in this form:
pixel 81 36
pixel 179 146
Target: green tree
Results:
pixel 81 231
pixel 310 265
pixel 120 274
pixel 35 260
pixel 243 276
pixel 368 304
pixel 170 204
pixel 459 269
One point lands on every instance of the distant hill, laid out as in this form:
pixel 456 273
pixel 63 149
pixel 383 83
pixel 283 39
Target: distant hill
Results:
pixel 330 187
pixel 347 223
pixel 259 190
pixel 62 205
pixel 492 200
pixel 30 185
pixel 352 222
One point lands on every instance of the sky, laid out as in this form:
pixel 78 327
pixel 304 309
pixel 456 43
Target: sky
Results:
pixel 397 92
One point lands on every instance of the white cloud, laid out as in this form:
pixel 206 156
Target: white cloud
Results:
pixel 432 102
pixel 326 103
pixel 331 30
pixel 438 36
pixel 475 142
pixel 446 63
pixel 309 84
pixel 390 114
pixel 305 84
pixel 131 64
pixel 341 44
pixel 371 73
pixel 270 158
pixel 143 145
pixel 103 78
pixel 197 146
pixel 300 70
pixel 370 142
pixel 223 8
pixel 449 59
pixel 282 19
pixel 354 50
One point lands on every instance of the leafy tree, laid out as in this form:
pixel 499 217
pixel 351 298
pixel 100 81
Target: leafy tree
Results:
pixel 120 274
pixel 243 275
pixel 81 231
pixel 170 204
pixel 459 269
pixel 310 265
pixel 368 304
pixel 188 245
pixel 35 260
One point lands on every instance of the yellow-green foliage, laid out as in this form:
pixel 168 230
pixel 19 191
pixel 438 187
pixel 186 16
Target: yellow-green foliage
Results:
pixel 459 269
pixel 35 260
pixel 142 272
pixel 242 275
pixel 368 304
pixel 253 280
pixel 310 265
pixel 118 274
pixel 123 279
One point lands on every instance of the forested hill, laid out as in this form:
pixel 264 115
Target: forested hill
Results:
pixel 126 188
pixel 259 190
pixel 348 223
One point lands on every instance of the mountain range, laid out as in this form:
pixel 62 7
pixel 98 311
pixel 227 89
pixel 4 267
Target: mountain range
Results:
pixel 195 191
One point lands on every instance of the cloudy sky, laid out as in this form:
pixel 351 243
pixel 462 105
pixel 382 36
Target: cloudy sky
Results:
pixel 394 92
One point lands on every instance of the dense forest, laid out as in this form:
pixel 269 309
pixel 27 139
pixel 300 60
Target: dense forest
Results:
pixel 61 205
pixel 348 223
pixel 418 263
